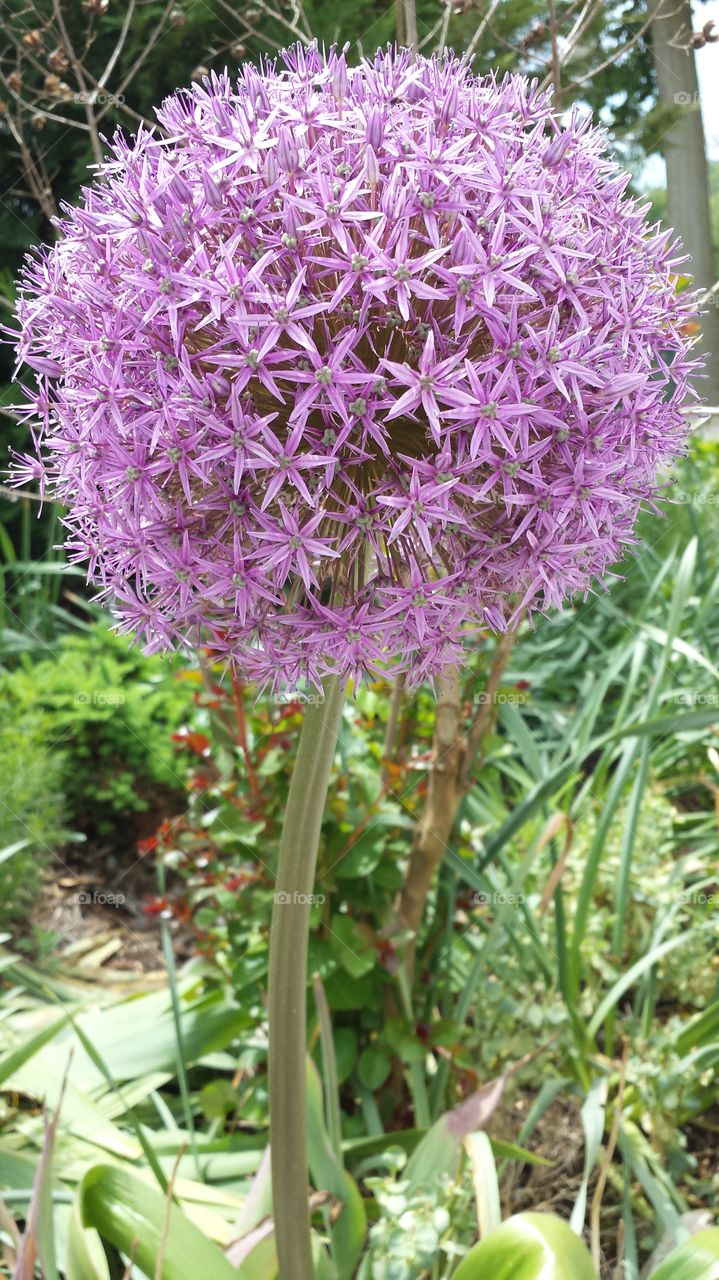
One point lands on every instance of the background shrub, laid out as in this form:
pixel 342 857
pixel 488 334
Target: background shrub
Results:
pixel 105 714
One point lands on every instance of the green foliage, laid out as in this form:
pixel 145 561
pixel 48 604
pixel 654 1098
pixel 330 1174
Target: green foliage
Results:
pixel 533 1247
pixel 99 717
pixel 136 1219
pixel 222 856
pixel 32 814
pixel 575 909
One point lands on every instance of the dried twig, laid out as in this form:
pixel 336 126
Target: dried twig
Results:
pixel 76 65
pixel 165 1231
pixel 482 27
pixel 393 721
pixel 556 60
pixel 487 713
pixel 607 1161
pixel 440 811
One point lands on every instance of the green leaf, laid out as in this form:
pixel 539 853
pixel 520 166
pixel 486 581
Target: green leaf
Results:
pixel 10 850
pixel 345 1042
pixel 532 1246
pixel 349 1228
pixel 360 861
pixel 512 1151
pixel 593 1113
pixel 699 1030
pixel 230 826
pixel 274 762
pixel 38 1241
pixel 217 1099
pixel 486 1185
pixel 345 993
pixel 696 1259
pixel 85 1255
pixel 660 727
pixel 438 1154
pixel 137 1037
pixel 16 1058
pixel 352 945
pixel 132 1215
pixel 628 979
pixel 373 1068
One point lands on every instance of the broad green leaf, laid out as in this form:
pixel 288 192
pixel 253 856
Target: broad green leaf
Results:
pixel 532 1246
pixel 349 1228
pixel 593 1113
pixel 373 1067
pixel 17 1170
pixel 486 1185
pixel 696 1259
pixel 86 1258
pixel 352 945
pixel 438 1154
pixel 699 1030
pixel 361 859
pixel 131 1214
pixel 138 1036
pixel 12 1061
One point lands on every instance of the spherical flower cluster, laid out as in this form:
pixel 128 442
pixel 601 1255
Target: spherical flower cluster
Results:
pixel 350 362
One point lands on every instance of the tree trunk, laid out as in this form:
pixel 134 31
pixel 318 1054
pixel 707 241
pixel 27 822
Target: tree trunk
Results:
pixel 685 154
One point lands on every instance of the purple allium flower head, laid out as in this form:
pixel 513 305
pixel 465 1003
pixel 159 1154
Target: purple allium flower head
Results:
pixel 352 362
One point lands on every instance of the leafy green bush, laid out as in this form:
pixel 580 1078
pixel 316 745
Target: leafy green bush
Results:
pixel 106 713
pixel 31 815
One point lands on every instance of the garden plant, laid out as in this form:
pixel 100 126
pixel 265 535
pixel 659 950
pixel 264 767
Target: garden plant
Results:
pixel 345 370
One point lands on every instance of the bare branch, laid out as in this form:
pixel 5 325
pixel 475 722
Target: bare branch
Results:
pixel 556 60
pixel 81 82
pixel 483 26
pixel 118 47
pixel 36 179
pixel 445 25
pixel 37 109
pixel 287 23
pixel 141 58
pixel 609 61
pixel 409 13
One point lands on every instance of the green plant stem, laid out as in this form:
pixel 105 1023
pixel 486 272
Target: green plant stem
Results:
pixel 288 981
pixel 182 1078
pixel 333 1116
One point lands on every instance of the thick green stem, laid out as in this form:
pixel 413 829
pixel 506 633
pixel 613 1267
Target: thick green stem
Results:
pixel 288 981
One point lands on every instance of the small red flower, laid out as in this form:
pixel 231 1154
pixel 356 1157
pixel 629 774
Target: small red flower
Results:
pixel 196 742
pixel 156 906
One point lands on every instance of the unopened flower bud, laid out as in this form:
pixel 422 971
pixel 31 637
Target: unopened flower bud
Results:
pixel 557 149
pixel 448 110
pixel 211 190
pixel 340 80
pixel 270 171
pixel 288 154
pixel 375 129
pixel 371 167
